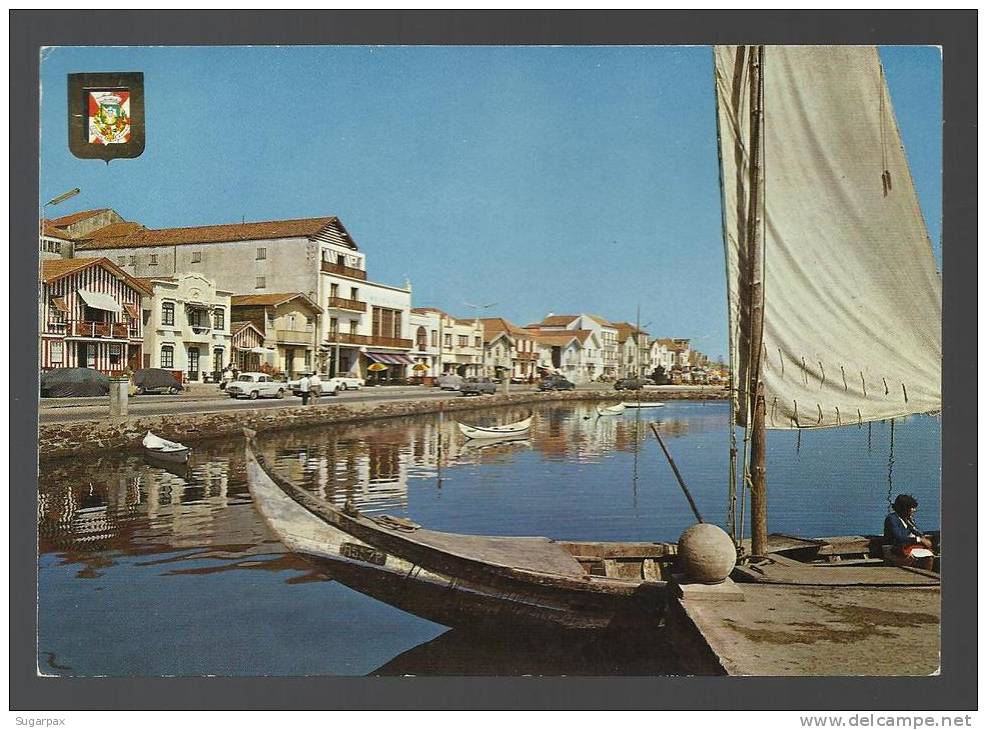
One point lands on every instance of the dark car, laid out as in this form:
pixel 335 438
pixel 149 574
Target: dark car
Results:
pixel 629 384
pixel 478 386
pixel 555 382
pixel 155 380
pixel 73 382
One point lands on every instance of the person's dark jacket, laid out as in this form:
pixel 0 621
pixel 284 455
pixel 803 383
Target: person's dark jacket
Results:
pixel 900 532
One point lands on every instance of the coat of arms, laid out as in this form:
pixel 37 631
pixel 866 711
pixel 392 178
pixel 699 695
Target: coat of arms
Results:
pixel 109 117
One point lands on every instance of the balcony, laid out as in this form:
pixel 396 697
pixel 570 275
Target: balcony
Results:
pixel 349 271
pixel 351 305
pixel 344 338
pixel 295 337
pixel 197 333
pixel 79 328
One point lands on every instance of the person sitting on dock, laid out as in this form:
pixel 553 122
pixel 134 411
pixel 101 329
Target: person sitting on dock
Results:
pixel 905 544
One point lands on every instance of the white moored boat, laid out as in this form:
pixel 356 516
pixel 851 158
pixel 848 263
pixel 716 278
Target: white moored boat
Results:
pixel 642 405
pixel 489 432
pixel 159 448
pixel 610 410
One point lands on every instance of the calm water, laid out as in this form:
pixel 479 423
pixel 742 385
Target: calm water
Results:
pixel 145 571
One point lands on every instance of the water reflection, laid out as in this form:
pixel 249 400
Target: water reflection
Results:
pixel 149 569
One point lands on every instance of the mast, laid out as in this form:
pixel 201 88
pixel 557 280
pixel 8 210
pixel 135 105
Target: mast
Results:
pixel 755 387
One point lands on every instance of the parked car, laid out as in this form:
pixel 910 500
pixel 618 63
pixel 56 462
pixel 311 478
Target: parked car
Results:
pixel 256 385
pixel 555 382
pixel 478 386
pixel 319 388
pixel 155 380
pixel 73 382
pixel 343 382
pixel 630 384
pixel 449 381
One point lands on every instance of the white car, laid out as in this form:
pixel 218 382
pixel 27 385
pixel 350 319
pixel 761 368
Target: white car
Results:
pixel 256 385
pixel 342 382
pixel 320 388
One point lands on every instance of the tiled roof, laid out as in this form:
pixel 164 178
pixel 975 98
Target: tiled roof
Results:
pixel 626 330
pixel 494 325
pixel 599 320
pixel 53 231
pixel 425 310
pixel 54 269
pixel 269 300
pixel 557 320
pixel 136 238
pixel 67 220
pixel 114 230
pixel 237 327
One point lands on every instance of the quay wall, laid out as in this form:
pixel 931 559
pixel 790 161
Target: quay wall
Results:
pixel 96 436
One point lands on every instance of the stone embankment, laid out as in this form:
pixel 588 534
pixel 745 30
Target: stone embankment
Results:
pixel 77 438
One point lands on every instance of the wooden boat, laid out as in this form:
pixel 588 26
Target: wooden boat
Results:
pixel 610 410
pixel 489 432
pixel 641 404
pixel 165 450
pixel 467 580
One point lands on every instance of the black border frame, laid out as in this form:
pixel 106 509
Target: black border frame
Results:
pixel 954 31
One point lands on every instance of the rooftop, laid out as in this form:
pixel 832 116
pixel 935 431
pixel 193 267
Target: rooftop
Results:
pixel 54 269
pixel 133 235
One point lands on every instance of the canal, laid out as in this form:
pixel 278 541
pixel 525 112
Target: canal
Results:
pixel 148 571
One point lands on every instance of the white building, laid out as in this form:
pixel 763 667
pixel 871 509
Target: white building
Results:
pixel 509 349
pixel 187 326
pixel 606 364
pixel 575 354
pixel 634 357
pixel 426 350
pixel 362 321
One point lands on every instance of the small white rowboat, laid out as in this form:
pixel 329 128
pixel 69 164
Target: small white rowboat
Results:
pixel 610 410
pixel 642 405
pixel 159 448
pixel 488 432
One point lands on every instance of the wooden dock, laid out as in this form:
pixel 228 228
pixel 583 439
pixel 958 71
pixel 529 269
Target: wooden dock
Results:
pixel 826 629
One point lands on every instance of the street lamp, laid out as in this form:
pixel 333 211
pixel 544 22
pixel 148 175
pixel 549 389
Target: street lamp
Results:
pixel 483 347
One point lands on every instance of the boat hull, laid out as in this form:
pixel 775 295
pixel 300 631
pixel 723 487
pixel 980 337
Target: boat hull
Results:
pixel 495 432
pixel 174 456
pixel 451 590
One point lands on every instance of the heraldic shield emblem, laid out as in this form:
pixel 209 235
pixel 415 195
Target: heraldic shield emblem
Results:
pixel 106 115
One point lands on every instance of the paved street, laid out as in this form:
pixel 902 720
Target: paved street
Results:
pixel 212 400
pixel 202 398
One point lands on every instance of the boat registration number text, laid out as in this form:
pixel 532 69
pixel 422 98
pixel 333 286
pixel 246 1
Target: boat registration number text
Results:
pixel 362 552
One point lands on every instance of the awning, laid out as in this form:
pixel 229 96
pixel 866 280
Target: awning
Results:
pixel 198 305
pixel 390 358
pixel 100 301
pixel 132 310
pixel 59 304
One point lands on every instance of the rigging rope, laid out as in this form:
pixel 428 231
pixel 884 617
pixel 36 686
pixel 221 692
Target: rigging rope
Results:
pixel 891 465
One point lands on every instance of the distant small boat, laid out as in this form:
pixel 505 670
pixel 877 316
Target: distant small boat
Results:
pixel 490 432
pixel 610 410
pixel 642 405
pixel 159 448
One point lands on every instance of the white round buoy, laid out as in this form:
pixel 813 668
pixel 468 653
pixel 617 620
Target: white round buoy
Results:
pixel 706 553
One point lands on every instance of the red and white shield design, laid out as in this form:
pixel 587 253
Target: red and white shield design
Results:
pixel 109 117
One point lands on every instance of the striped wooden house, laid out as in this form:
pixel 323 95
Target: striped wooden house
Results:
pixel 90 315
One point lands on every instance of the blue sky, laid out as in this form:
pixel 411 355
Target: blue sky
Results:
pixel 560 179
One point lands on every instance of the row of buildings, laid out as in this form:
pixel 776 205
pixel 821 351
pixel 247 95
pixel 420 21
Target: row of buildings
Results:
pixel 290 296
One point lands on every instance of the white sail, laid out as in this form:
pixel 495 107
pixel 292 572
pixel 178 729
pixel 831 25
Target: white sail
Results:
pixel 852 297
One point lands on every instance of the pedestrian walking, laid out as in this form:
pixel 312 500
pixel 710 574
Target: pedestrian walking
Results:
pixel 304 385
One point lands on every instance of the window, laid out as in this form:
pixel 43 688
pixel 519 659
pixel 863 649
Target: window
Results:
pixel 308 359
pixel 354 293
pixel 114 354
pixel 333 326
pixel 196 257
pixel 309 321
pixel 167 357
pixel 447 341
pixel 56 353
pixel 463 340
pixel 219 319
pixel 421 338
pixel 353 324
pixel 168 313
pixel 133 261
pixel 261 282
pixel 154 259
pixel 261 254
pixel 476 342
pixel 435 338
pixel 195 317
